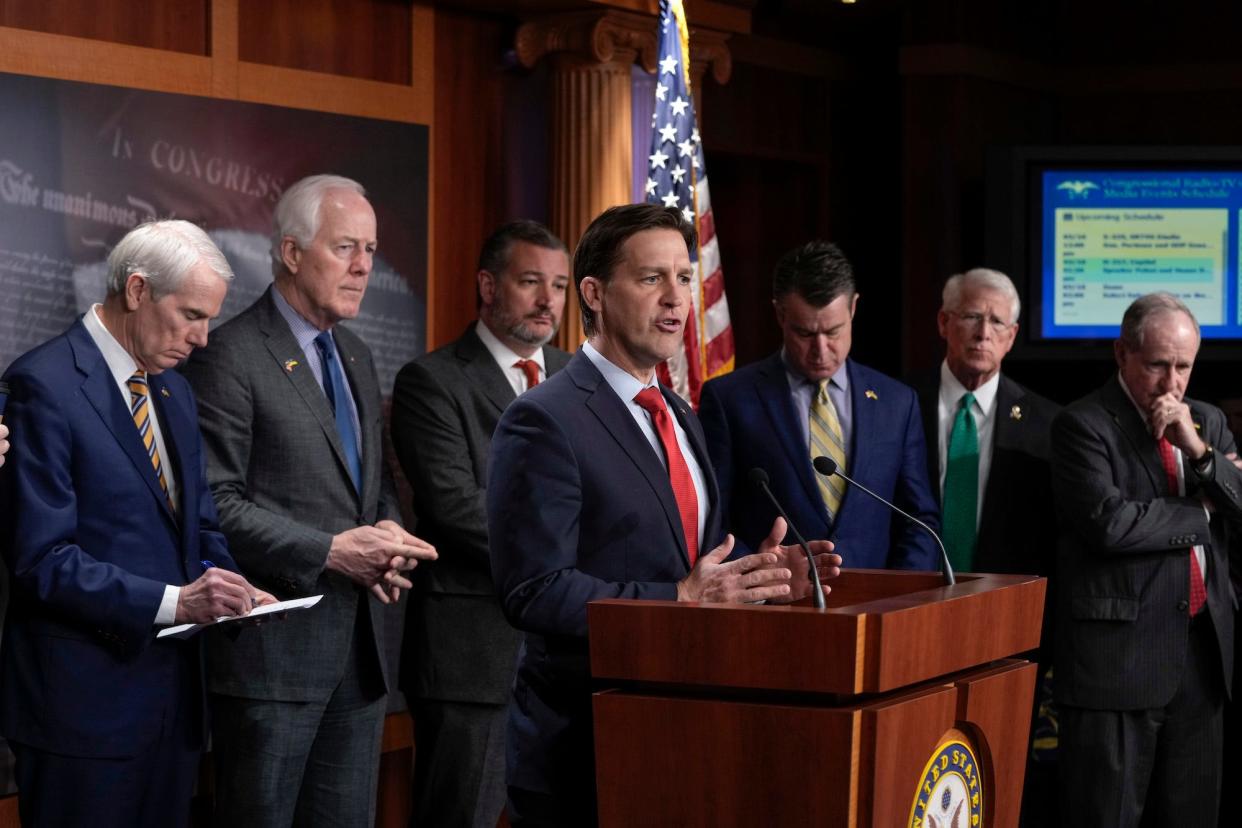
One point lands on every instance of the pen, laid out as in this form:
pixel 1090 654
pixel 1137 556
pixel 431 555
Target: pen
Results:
pixel 207 565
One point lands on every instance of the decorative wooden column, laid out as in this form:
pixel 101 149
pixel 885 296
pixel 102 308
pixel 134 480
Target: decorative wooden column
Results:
pixel 589 58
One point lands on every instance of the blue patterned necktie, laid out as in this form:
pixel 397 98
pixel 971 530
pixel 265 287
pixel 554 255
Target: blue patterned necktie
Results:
pixel 338 399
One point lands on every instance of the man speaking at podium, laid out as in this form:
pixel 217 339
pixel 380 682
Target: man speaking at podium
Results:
pixel 1145 610
pixel 600 487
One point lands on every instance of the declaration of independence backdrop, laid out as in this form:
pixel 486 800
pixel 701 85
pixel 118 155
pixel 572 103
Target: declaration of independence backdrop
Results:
pixel 82 164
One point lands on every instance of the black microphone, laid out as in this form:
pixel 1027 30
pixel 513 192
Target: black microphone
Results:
pixel 760 478
pixel 828 467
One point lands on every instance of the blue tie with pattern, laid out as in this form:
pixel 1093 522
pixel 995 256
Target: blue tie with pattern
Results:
pixel 338 399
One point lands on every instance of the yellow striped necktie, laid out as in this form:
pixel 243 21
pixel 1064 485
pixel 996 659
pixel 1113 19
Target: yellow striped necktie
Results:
pixel 140 408
pixel 826 440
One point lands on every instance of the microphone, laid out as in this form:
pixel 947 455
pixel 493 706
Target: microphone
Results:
pixel 828 467
pixel 760 478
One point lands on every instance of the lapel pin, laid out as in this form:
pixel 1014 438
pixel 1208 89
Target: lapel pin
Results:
pixel 164 391
pixel 1198 426
pixel 1015 413
pixel 871 395
pixel 290 364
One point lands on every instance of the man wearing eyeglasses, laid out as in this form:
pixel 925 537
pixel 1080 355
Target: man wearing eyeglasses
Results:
pixel 988 446
pixel 987 436
pixel 811 399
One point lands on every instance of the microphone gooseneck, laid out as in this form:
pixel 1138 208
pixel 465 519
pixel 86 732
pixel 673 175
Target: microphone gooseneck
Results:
pixel 828 467
pixel 759 478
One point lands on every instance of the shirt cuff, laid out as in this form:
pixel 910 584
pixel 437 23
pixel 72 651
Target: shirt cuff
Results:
pixel 167 612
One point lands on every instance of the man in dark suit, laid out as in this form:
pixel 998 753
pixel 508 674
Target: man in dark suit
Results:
pixel 993 449
pixel 600 487
pixel 810 399
pixel 291 413
pixel 1145 612
pixel 459 652
pixel 109 533
pixel 987 458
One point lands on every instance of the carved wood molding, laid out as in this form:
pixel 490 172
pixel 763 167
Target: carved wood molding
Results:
pixel 617 37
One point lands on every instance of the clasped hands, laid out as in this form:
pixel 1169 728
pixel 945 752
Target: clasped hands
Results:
pixel 774 573
pixel 377 556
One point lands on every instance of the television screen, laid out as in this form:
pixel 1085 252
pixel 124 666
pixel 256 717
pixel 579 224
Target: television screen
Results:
pixel 1109 235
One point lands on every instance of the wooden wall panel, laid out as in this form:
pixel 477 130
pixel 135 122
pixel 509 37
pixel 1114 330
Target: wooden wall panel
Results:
pixel 467 168
pixel 173 25
pixel 353 38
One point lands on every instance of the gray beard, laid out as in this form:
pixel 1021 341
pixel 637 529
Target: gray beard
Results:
pixel 522 333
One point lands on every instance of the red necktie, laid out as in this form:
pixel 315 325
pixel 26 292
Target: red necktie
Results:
pixel 531 369
pixel 1198 590
pixel 652 402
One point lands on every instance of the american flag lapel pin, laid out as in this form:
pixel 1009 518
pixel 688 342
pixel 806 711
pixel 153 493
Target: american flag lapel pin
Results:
pixel 164 392
pixel 871 395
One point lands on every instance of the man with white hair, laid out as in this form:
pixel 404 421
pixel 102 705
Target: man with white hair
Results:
pixel 291 413
pixel 987 436
pixel 109 533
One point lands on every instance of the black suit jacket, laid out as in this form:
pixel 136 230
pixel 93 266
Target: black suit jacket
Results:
pixel 1017 530
pixel 445 406
pixel 1122 624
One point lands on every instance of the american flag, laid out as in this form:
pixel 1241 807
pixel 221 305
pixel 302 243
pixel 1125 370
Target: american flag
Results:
pixel 677 177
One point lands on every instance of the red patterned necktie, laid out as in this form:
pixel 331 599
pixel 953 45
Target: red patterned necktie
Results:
pixel 531 369
pixel 652 402
pixel 1198 590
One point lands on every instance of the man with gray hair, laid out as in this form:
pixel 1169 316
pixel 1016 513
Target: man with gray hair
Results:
pixel 987 436
pixel 1147 501
pixel 109 533
pixel 292 416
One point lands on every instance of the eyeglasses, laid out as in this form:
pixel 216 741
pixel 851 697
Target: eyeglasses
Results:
pixel 972 321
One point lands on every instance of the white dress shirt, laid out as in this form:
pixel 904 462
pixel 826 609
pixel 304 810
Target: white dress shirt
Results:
pixel 506 357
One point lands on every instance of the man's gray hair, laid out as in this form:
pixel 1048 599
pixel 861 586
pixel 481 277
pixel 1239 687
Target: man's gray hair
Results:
pixel 162 253
pixel 980 277
pixel 297 212
pixel 1145 308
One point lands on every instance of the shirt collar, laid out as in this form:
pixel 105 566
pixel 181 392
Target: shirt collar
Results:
pixel 120 364
pixel 621 381
pixel 303 331
pixel 841 379
pixel 951 390
pixel 502 353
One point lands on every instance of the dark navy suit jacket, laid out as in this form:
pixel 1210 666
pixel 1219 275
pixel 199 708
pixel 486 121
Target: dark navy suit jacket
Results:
pixel 579 508
pixel 90 544
pixel 750 422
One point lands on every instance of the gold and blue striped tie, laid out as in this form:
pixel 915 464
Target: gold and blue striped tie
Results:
pixel 140 408
pixel 826 440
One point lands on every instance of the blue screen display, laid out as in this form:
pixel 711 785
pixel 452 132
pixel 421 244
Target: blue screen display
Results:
pixel 1110 236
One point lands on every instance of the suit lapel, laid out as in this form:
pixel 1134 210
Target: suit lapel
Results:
pixel 101 391
pixel 283 349
pixel 1130 424
pixel 619 423
pixel 772 389
pixel 482 371
pixel 180 432
pixel 1004 434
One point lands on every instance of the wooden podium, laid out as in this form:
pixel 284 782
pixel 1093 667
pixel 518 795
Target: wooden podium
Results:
pixel 903 693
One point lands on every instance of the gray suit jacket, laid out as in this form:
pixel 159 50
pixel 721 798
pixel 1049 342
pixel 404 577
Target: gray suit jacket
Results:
pixel 445 406
pixel 278 474
pixel 1122 624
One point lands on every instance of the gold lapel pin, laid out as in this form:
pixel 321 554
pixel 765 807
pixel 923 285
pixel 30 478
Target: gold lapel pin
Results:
pixel 871 395
pixel 1015 413
pixel 290 364
pixel 164 391
pixel 1198 426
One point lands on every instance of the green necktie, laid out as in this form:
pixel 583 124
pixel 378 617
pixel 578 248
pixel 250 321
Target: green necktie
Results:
pixel 961 488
